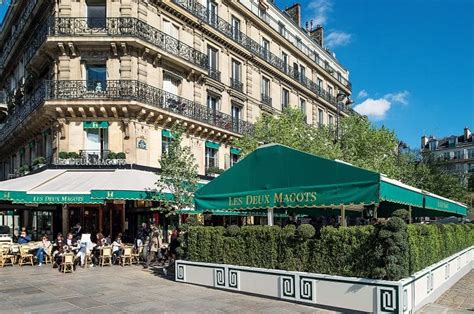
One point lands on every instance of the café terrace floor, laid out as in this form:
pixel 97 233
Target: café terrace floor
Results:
pixel 132 289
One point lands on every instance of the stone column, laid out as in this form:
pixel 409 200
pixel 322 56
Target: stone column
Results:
pixel 65 216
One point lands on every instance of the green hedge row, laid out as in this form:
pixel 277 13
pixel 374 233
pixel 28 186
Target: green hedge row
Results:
pixel 429 244
pixel 390 250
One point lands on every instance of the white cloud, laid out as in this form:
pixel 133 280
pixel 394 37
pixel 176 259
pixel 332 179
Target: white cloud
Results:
pixel 319 11
pixel 400 97
pixel 362 94
pixel 377 109
pixel 337 38
pixel 374 108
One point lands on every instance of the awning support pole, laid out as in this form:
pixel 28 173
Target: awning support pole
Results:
pixel 409 214
pixel 343 216
pixel 270 216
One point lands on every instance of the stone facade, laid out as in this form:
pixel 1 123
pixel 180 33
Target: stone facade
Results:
pixel 136 68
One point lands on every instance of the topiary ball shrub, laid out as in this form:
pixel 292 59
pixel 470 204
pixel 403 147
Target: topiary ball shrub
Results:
pixel 289 230
pixel 232 230
pixel 193 221
pixel 402 214
pixel 396 224
pixel 306 231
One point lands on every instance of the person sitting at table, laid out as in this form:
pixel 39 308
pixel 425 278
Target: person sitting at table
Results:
pixel 23 238
pixel 44 248
pixel 117 248
pixel 58 250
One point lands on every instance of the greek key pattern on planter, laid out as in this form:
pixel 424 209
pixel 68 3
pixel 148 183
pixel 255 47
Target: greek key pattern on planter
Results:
pixel 180 272
pixel 429 282
pixel 307 289
pixel 219 277
pixel 287 287
pixel 387 300
pixel 233 278
pixel 405 300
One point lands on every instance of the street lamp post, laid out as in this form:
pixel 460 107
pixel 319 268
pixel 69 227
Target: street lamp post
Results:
pixel 341 96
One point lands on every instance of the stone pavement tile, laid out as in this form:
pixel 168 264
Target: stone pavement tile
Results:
pixel 105 309
pixel 121 298
pixel 83 302
pixel 433 309
pixel 49 307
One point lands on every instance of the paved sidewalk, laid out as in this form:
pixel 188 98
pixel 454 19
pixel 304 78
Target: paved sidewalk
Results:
pixel 118 290
pixel 458 299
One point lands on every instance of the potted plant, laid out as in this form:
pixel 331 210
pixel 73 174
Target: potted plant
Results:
pixel 39 162
pixel 214 171
pixel 24 170
pixel 121 158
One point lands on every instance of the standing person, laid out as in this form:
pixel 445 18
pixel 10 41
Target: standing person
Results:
pixel 24 237
pixel 77 231
pixel 142 234
pixel 174 244
pixel 154 247
pixel 44 248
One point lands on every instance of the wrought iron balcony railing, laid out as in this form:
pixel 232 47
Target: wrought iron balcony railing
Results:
pixel 126 27
pixel 266 99
pixel 221 25
pixel 138 91
pixel 236 84
pixel 215 74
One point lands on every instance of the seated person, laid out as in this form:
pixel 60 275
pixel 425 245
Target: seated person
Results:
pixel 43 248
pixel 58 250
pixel 23 238
pixel 117 248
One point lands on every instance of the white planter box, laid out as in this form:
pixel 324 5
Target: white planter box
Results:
pixel 349 293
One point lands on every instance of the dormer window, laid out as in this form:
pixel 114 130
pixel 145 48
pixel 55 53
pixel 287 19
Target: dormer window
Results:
pixel 452 141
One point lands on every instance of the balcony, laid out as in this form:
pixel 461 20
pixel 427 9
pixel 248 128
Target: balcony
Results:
pixel 237 85
pixel 126 27
pixel 215 74
pixel 224 27
pixel 266 100
pixel 141 92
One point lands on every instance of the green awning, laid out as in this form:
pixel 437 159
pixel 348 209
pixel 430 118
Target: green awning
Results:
pixel 392 192
pixel 166 133
pixel 279 177
pixel 95 124
pixel 129 195
pixel 213 145
pixel 276 176
pixel 235 151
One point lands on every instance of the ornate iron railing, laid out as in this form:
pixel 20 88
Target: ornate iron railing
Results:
pixel 126 27
pixel 221 25
pixel 236 84
pixel 215 74
pixel 266 99
pixel 138 91
pixel 21 112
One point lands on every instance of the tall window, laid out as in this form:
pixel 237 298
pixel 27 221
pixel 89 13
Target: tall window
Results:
pixel 303 105
pixel 171 83
pixel 320 117
pixel 165 144
pixel 212 104
pixel 266 91
pixel 96 77
pixel 234 158
pixel 458 154
pixel 265 48
pixel 284 57
pixel 211 158
pixel 96 13
pixel 212 11
pixel 299 44
pixel 330 92
pixel 320 84
pixel 470 153
pixel 331 120
pixel 302 72
pixel 285 98
pixel 236 71
pixel 235 28
pixel 96 143
pixel 282 29
pixel 213 62
pixel 235 113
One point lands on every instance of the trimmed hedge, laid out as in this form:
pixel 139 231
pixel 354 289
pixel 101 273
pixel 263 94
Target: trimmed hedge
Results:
pixel 390 250
pixel 429 244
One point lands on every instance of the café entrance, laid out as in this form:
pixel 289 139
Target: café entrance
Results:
pixel 107 219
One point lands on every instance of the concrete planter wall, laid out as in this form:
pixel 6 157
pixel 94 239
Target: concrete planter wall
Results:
pixel 404 296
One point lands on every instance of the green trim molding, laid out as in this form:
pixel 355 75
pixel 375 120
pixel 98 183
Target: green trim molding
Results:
pixel 95 124
pixel 212 145
pixel 166 133
pixel 235 150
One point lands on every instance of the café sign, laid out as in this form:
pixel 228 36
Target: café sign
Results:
pixel 274 199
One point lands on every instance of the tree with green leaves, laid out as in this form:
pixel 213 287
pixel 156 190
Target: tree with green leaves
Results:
pixel 179 175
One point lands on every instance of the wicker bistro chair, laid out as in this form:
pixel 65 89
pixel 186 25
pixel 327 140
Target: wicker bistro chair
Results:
pixel 126 258
pixel 136 255
pixel 25 256
pixel 67 266
pixel 48 258
pixel 5 257
pixel 106 256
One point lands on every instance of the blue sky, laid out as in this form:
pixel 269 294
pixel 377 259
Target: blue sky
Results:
pixel 411 62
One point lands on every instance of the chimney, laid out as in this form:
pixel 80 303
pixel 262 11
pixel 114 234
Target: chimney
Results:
pixel 467 134
pixel 424 141
pixel 294 12
pixel 317 35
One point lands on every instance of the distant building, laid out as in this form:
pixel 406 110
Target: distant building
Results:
pixel 455 152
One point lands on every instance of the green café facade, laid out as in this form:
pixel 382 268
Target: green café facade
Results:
pixel 284 181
